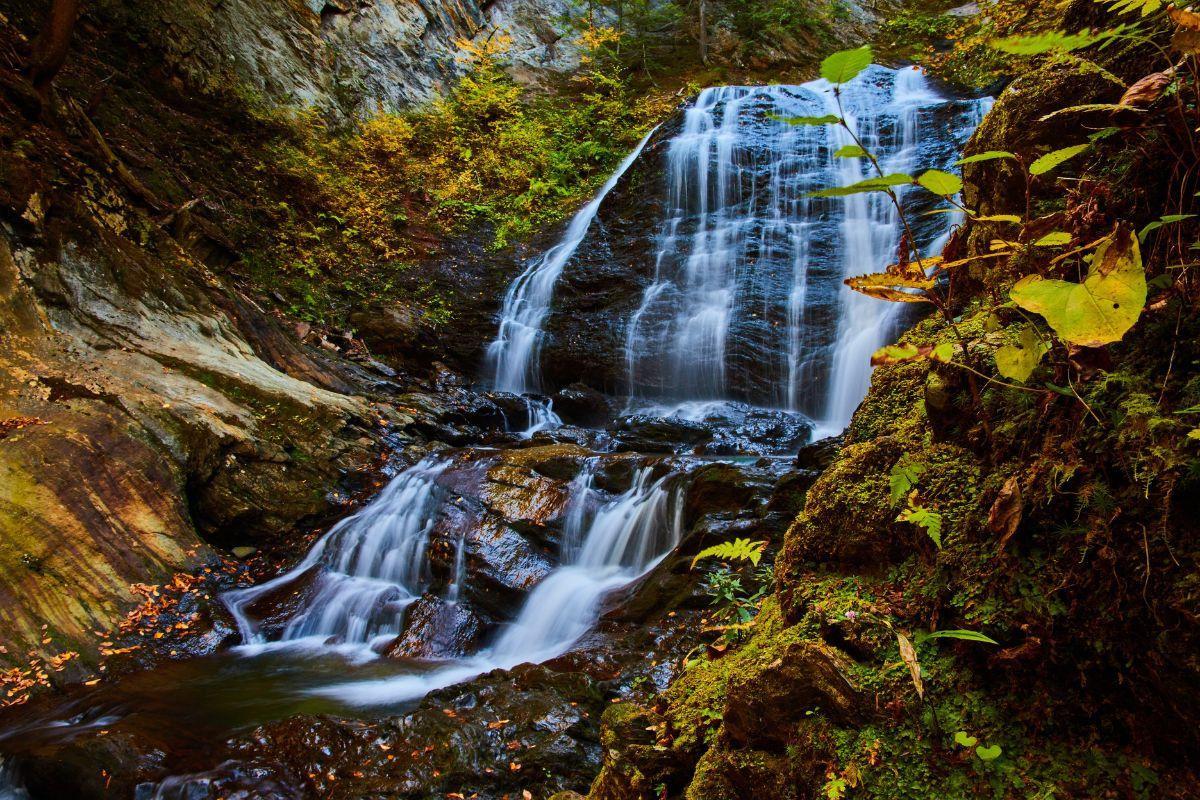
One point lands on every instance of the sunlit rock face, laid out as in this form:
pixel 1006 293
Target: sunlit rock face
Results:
pixel 350 58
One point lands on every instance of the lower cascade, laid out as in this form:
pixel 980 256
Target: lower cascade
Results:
pixel 368 569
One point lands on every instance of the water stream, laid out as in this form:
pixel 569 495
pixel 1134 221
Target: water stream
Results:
pixel 743 301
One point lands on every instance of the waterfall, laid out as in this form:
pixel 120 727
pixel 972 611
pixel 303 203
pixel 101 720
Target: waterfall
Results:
pixel 364 572
pixel 609 542
pixel 514 353
pixel 746 300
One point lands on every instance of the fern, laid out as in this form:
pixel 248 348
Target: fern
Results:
pixel 1143 7
pixel 925 518
pixel 737 550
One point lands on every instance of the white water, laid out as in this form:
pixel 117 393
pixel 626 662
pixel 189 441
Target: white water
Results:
pixel 514 353
pixel 369 568
pixel 608 543
pixel 747 299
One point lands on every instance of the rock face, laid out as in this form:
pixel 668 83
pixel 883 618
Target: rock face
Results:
pixel 144 405
pixel 350 58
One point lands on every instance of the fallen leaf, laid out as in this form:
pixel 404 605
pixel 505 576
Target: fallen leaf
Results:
pixel 1149 89
pixel 909 655
pixel 1005 515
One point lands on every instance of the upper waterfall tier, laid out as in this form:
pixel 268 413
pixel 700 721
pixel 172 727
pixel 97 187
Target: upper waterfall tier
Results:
pixel 703 271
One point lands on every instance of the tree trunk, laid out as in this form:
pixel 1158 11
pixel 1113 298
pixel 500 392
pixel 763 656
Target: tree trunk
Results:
pixel 51 46
pixel 703 33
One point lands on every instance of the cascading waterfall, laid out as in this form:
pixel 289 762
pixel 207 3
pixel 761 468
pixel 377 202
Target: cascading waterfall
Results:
pixel 368 569
pixel 747 300
pixel 514 353
pixel 607 544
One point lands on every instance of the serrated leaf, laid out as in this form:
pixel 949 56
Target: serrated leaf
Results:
pixel 1017 362
pixel 1169 219
pixel 967 636
pixel 904 477
pixel 845 65
pixel 1042 43
pixel 895 288
pixel 1102 308
pixel 925 518
pixel 1056 159
pixel 1088 107
pixel 868 185
pixel 737 550
pixel 850 151
pixel 941 183
pixel 827 119
pixel 1054 239
pixel 990 155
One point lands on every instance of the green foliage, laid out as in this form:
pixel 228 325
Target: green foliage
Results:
pixel 991 155
pixel 1055 159
pixel 964 635
pixel 1143 8
pixel 925 518
pixel 828 119
pixel 1018 361
pixel 941 183
pixel 1168 219
pixel 880 184
pixel 736 550
pixel 1103 307
pixel 845 65
pixel 903 478
pixel 1043 43
pixel 850 151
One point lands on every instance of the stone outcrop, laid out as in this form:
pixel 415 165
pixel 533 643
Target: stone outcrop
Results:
pixel 350 57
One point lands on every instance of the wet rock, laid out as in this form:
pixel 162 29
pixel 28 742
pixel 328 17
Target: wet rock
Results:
pixel 762 707
pixel 436 629
pixel 819 455
pixel 643 433
pixel 579 404
pixel 718 487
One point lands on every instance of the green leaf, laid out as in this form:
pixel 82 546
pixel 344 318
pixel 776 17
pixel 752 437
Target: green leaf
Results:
pixel 1042 43
pixel 1065 391
pixel 1143 7
pixel 963 739
pixel 1169 219
pixel 1017 362
pixel 868 185
pixel 904 477
pixel 844 66
pixel 1057 158
pixel 1054 239
pixel 828 119
pixel 988 753
pixel 967 636
pixel 991 155
pixel 1090 107
pixel 941 183
pixel 850 151
pixel 1102 308
pixel 737 550
pixel 925 518
pixel 1013 218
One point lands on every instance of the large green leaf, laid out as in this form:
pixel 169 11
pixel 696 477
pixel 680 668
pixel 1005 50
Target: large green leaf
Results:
pixel 969 636
pixel 850 151
pixel 990 155
pixel 1017 362
pixel 828 119
pixel 1055 159
pixel 1102 308
pixel 941 183
pixel 844 66
pixel 868 185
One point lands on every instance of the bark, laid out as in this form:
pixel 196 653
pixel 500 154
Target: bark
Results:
pixel 703 33
pixel 52 44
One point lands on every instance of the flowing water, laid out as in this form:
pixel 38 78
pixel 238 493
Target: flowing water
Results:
pixel 514 354
pixel 743 301
pixel 746 299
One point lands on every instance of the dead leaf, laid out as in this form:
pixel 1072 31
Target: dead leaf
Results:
pixel 1146 91
pixel 1006 512
pixel 909 654
pixel 1184 18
